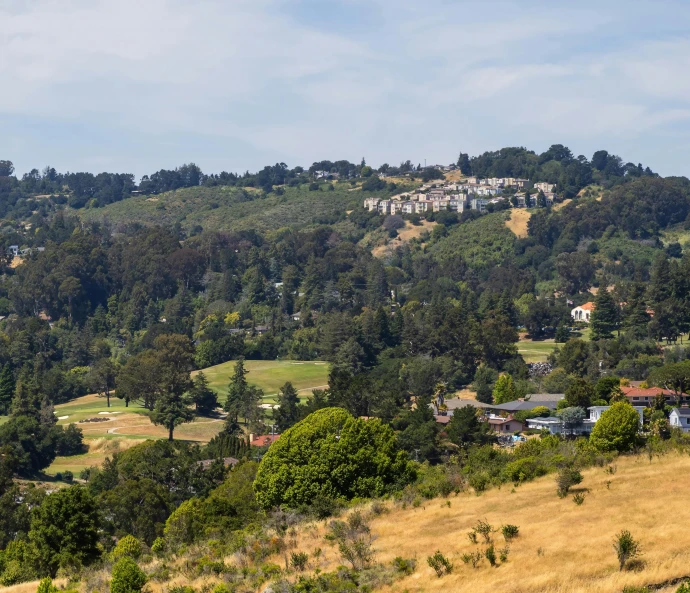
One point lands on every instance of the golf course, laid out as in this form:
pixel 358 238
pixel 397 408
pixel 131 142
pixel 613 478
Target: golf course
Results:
pixel 108 430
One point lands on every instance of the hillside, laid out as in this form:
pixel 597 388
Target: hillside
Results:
pixel 561 546
pixel 229 208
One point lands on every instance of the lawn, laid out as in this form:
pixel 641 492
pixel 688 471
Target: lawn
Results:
pixel 537 351
pixel 270 375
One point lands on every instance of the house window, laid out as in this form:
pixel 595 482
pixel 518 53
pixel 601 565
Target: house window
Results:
pixel 635 398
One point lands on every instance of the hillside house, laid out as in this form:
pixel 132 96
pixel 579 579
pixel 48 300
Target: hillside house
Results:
pixel 583 312
pixel 479 204
pixel 646 396
pixel 506 425
pixel 545 187
pixel 680 418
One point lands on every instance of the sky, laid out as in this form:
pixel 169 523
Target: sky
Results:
pixel 139 85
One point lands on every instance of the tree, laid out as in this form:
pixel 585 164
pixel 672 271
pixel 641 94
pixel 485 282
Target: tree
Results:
pixel 604 318
pixel 103 376
pixel 288 411
pixel 580 393
pixel 576 271
pixel 175 359
pixel 617 428
pixel 242 397
pixel 465 429
pixel 138 379
pixel 572 417
pixel 418 432
pixel 6 168
pixel 626 548
pixel 64 530
pixel 331 454
pixel 605 386
pixel 674 377
pixel 204 398
pixel 127 577
pixel 483 381
pixel 7 388
pixel 504 390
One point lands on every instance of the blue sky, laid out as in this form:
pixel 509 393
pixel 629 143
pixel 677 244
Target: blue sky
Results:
pixel 139 85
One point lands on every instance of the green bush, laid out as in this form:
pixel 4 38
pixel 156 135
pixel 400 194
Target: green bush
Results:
pixel 404 566
pixel 617 428
pixel 566 479
pixel 46 586
pixel 440 564
pixel 510 532
pixel 334 455
pixel 127 546
pixel 490 555
pixel 127 577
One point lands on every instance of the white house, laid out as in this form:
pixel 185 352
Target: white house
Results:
pixel 555 424
pixel 680 417
pixel 543 186
pixel 595 412
pixel 583 312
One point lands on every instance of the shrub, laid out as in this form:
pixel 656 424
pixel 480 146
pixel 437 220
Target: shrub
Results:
pixel 503 554
pixel 158 546
pixel 566 479
pixel 46 586
pixel 404 566
pixel 440 564
pixel 626 548
pixel 298 560
pixel 68 476
pixel 127 577
pixel 579 498
pixel 684 588
pixel 127 546
pixel 484 529
pixel 473 558
pixel 510 531
pixel 490 555
pixel 354 540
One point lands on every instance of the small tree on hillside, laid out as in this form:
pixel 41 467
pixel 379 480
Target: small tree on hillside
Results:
pixel 466 429
pixel 204 398
pixel 579 393
pixel 617 428
pixel 242 397
pixel 626 548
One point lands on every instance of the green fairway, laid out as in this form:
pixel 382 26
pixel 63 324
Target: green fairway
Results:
pixel 537 351
pixel 91 406
pixel 270 375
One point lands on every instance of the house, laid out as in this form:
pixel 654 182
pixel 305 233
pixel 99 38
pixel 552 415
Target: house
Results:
pixel 371 204
pixel 646 396
pixel 13 250
pixel 543 186
pixel 263 440
pixel 505 425
pixel 421 207
pixel 384 207
pixel 479 204
pixel 595 412
pixel 583 312
pixel 522 405
pixel 680 418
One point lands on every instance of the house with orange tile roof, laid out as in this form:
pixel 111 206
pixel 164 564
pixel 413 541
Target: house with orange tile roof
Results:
pixel 641 396
pixel 583 312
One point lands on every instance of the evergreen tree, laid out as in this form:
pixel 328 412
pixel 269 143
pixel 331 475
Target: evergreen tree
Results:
pixel 7 389
pixel 604 319
pixel 204 398
pixel 288 412
pixel 242 398
pixel 636 316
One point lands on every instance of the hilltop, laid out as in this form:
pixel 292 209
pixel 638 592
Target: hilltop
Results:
pixel 227 208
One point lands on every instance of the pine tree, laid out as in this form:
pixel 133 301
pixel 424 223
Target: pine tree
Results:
pixel 204 398
pixel 242 398
pixel 604 318
pixel 288 412
pixel 7 389
pixel 504 390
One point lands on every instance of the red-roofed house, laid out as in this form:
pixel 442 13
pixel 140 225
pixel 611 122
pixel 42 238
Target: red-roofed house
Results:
pixel 639 396
pixel 264 440
pixel 583 312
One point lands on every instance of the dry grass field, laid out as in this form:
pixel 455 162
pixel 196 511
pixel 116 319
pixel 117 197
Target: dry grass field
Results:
pixel 519 217
pixel 409 232
pixel 561 548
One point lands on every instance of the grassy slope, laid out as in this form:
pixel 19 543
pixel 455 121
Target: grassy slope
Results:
pixel 575 541
pixel 270 375
pixel 218 208
pixel 129 426
pixel 537 351
pixel 482 242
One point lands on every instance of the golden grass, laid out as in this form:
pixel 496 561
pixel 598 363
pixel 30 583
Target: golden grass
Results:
pixel 563 204
pixel 409 232
pixel 517 223
pixel 562 547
